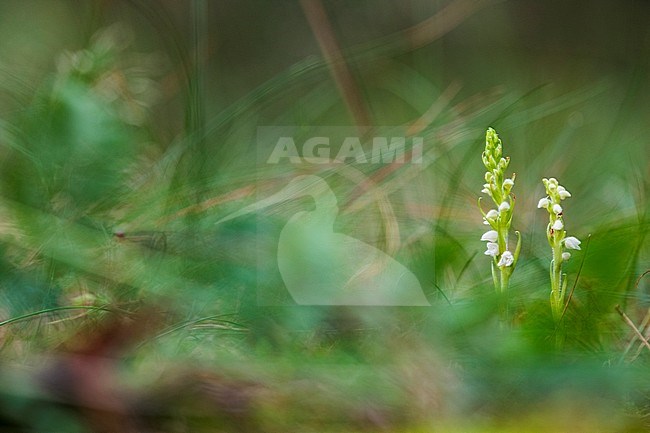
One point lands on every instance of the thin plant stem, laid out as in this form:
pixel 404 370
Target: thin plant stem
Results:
pixel 629 322
pixel 50 310
pixel 556 282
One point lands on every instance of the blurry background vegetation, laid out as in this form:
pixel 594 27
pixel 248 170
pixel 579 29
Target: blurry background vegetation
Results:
pixel 128 129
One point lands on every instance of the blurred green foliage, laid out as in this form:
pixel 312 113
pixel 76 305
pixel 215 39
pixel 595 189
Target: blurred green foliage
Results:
pixel 128 130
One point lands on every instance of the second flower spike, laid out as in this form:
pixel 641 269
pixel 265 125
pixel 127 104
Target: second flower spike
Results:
pixel 558 240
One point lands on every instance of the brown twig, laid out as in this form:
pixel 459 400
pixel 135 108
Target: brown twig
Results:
pixel 631 324
pixel 644 323
pixel 203 206
pixel 320 25
pixel 443 22
pixel 638 280
pixel 644 330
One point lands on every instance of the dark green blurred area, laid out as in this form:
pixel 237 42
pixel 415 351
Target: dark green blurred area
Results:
pixel 128 130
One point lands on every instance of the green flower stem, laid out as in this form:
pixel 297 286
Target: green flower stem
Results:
pixel 505 279
pixel 495 277
pixel 557 298
pixel 558 241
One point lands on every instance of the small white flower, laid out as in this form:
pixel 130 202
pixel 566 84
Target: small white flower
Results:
pixel 543 203
pixel 490 236
pixel 557 209
pixel 506 259
pixel 504 206
pixel 566 256
pixel 492 249
pixel 563 192
pixel 572 242
pixel 557 225
pixel 492 214
pixel 508 182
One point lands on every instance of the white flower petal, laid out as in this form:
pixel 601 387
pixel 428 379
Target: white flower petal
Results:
pixel 508 182
pixel 572 242
pixel 557 209
pixel 507 259
pixel 566 256
pixel 564 194
pixel 543 203
pixel 504 206
pixel 490 236
pixel 492 214
pixel 557 225
pixel 492 249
